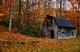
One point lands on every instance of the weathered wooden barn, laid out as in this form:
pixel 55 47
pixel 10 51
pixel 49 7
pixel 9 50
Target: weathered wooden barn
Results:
pixel 58 28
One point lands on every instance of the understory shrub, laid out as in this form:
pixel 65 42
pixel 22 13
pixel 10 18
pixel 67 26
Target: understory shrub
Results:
pixel 31 31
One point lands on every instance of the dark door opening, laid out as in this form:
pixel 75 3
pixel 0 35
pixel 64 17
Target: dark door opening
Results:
pixel 52 33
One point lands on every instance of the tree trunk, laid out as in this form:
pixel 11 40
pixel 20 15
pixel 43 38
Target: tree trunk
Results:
pixel 19 19
pixel 56 9
pixel 61 8
pixel 0 2
pixel 10 20
pixel 45 7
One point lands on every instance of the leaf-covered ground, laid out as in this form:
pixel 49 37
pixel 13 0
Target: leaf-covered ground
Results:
pixel 16 42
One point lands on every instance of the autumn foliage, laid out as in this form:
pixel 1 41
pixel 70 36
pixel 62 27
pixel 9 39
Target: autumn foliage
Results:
pixel 32 15
pixel 16 42
pixel 32 18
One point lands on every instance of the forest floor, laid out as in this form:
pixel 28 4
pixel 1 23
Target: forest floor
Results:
pixel 16 42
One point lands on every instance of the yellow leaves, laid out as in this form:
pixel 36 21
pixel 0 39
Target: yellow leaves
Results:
pixel 0 19
pixel 2 14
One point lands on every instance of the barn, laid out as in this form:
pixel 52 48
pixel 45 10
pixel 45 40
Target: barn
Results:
pixel 58 28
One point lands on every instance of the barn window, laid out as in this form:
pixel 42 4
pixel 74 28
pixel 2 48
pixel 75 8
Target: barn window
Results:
pixel 62 32
pixel 72 33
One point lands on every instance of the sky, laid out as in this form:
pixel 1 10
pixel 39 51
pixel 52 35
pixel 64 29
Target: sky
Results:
pixel 66 4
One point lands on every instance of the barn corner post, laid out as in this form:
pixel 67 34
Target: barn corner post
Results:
pixel 10 20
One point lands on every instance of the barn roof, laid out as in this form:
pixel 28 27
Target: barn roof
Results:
pixel 62 22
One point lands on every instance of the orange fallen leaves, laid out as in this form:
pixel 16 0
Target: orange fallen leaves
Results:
pixel 36 44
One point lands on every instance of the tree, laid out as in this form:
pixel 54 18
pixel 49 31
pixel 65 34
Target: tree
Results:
pixel 78 24
pixel 0 2
pixel 60 8
pixel 10 20
pixel 19 19
pixel 59 5
pixel 76 9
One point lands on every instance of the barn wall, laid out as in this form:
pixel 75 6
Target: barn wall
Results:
pixel 64 33
pixel 55 30
pixel 58 33
pixel 46 29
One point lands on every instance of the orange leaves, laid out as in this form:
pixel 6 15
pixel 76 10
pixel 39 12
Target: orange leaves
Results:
pixel 30 10
pixel 1 14
pixel 73 16
pixel 14 2
pixel 36 44
pixel 79 20
pixel 39 44
pixel 6 5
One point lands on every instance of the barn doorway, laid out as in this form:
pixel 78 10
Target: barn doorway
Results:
pixel 51 33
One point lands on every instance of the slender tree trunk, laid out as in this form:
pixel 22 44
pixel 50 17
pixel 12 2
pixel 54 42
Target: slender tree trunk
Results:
pixel 45 7
pixel 10 20
pixel 56 8
pixel 19 19
pixel 61 8
pixel 0 2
